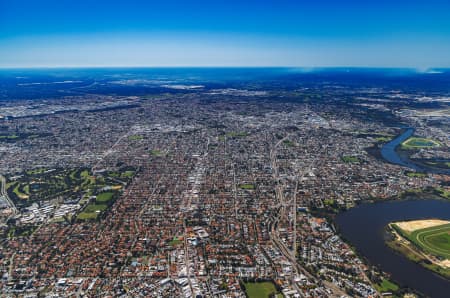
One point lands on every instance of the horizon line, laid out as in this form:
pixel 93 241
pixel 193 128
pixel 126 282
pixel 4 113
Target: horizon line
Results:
pixel 222 66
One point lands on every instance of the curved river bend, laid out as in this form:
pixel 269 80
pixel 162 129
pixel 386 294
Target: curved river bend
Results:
pixel 364 227
pixel 389 154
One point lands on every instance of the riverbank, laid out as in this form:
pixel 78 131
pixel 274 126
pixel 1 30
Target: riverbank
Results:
pixel 364 228
pixel 399 150
pixel 401 243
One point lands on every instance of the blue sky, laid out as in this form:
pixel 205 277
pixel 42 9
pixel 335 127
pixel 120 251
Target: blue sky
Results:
pixel 225 33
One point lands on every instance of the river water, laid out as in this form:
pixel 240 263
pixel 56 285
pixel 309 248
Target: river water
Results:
pixel 390 154
pixel 364 227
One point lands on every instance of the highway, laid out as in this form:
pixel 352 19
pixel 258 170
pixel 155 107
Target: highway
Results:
pixel 187 209
pixel 273 228
pixel 4 195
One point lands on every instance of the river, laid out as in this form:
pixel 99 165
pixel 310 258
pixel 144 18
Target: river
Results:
pixel 364 227
pixel 390 154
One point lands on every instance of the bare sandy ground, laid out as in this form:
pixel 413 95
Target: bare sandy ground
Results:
pixel 444 263
pixel 411 226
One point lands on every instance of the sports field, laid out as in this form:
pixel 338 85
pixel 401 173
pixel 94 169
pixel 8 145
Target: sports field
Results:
pixel 434 239
pixel 260 289
pixel 419 143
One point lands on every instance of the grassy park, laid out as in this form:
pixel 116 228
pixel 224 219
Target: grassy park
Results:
pixel 386 286
pixel 104 197
pixel 156 153
pixel 71 184
pixel 424 241
pixel 233 135
pixel 419 143
pixel 246 186
pixel 434 240
pixel 260 289
pixel 135 138
pixel 92 211
pixel 350 159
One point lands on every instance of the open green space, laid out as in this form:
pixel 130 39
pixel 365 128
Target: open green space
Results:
pixel 135 137
pixel 418 252
pixel 260 289
pixel 415 175
pixel 175 241
pixel 95 207
pixel 434 240
pixel 380 137
pixel 92 211
pixel 10 137
pixel 443 193
pixel 246 186
pixel 350 159
pixel 288 143
pixel 419 143
pixel 383 139
pixel 41 184
pixel 36 171
pixel 328 202
pixel 84 174
pixel 128 174
pixel 21 191
pixel 156 152
pixel 104 197
pixel 386 286
pixel 440 241
pixel 443 164
pixel 87 215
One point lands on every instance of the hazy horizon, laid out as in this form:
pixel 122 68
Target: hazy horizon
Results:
pixel 404 34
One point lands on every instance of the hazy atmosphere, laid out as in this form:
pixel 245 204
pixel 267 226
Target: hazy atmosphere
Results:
pixel 224 33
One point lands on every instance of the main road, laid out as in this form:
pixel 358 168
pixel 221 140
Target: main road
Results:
pixel 4 195
pixel 273 225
